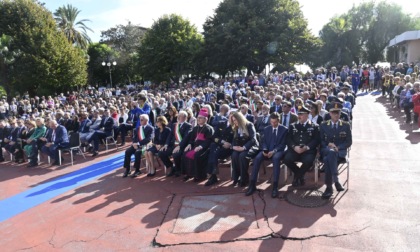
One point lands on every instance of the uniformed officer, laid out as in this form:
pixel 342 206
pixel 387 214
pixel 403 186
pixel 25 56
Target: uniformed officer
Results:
pixel 219 149
pixel 336 138
pixel 302 141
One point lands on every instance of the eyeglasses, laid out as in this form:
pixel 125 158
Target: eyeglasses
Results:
pixel 277 99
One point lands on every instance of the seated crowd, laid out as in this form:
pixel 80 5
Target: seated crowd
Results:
pixel 284 118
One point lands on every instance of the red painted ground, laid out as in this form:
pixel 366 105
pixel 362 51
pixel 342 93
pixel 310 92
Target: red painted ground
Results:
pixel 378 213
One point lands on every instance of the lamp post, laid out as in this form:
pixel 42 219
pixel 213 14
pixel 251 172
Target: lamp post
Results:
pixel 108 63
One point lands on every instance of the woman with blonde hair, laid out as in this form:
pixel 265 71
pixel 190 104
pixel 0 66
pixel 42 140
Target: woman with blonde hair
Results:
pixel 244 139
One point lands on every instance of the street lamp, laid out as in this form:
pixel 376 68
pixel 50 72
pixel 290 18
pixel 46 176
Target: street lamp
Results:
pixel 108 63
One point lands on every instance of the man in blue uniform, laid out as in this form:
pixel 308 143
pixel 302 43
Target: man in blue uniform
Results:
pixel 336 138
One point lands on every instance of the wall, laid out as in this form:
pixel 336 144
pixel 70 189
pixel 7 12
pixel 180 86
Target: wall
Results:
pixel 413 51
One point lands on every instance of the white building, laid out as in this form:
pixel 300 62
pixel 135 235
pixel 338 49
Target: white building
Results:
pixel 408 47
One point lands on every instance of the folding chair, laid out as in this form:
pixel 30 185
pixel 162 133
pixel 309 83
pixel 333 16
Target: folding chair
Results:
pixel 74 139
pixel 343 163
pixel 112 139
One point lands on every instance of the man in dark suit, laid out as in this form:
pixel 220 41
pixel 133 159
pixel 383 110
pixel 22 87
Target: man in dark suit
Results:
pixel 273 145
pixel 106 129
pixel 336 138
pixel 302 142
pixel 4 133
pixel 245 112
pixel 142 136
pixel 277 105
pixel 179 140
pixel 287 117
pixel 11 140
pixel 219 149
pixel 263 121
pixel 56 140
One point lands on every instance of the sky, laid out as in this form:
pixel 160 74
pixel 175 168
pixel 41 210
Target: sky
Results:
pixel 105 14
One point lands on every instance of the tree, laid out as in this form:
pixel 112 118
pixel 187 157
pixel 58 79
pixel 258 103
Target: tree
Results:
pixel 97 54
pixel 363 33
pixel 125 40
pixel 75 31
pixel 7 58
pixel 254 33
pixel 168 49
pixel 46 62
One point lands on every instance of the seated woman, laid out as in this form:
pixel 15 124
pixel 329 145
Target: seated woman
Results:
pixel 195 153
pixel 161 141
pixel 315 116
pixel 244 138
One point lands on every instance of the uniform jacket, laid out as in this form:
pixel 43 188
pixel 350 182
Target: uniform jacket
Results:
pixel 341 137
pixel 304 134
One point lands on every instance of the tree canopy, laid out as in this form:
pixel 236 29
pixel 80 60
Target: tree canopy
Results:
pixel 168 49
pixel 46 60
pixel 254 33
pixel 363 33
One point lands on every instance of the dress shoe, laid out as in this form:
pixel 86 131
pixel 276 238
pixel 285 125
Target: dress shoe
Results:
pixel 122 144
pixel 56 163
pixel 251 190
pixel 338 186
pixel 302 181
pixel 171 173
pixel 199 179
pixel 151 174
pixel 90 149
pixel 31 165
pixel 235 183
pixel 95 153
pixel 328 193
pixel 126 174
pixel 275 193
pixel 136 174
pixel 296 182
pixel 177 174
pixel 186 178
pixel 212 180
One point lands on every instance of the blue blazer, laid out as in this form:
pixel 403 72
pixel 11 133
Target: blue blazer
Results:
pixel 108 125
pixel 61 137
pixel 84 126
pixel 342 137
pixel 250 118
pixel 148 133
pixel 280 139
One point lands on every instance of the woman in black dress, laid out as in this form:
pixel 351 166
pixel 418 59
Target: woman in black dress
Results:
pixel 160 142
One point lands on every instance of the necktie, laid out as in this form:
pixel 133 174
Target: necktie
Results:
pixel 275 132
pixel 284 120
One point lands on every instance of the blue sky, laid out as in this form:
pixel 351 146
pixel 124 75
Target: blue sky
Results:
pixel 108 13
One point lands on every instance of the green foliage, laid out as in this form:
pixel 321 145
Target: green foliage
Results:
pixel 125 40
pixel 254 33
pixel 362 34
pixel 75 31
pixel 168 49
pixel 98 53
pixel 47 61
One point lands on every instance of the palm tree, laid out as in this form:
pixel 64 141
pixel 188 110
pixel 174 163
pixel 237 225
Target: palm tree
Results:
pixel 75 31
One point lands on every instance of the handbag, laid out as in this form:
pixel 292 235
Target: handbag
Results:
pixel 253 152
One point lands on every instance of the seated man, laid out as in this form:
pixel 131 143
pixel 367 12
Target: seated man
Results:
pixel 263 121
pixel 105 130
pixel 273 145
pixel 57 139
pixel 219 149
pixel 32 146
pixel 336 138
pixel 179 140
pixel 141 137
pixel 195 154
pixel 12 138
pixel 302 142
pixel 4 133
